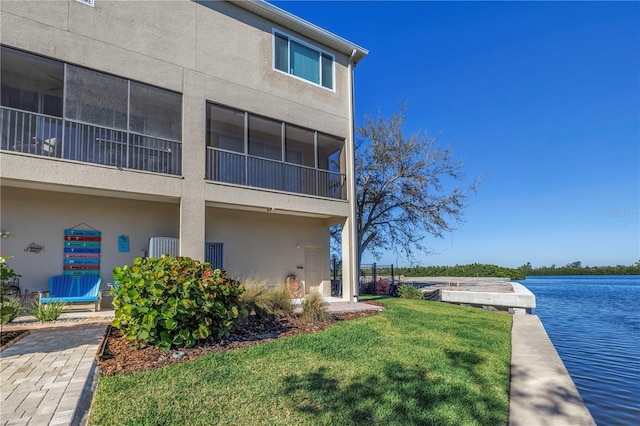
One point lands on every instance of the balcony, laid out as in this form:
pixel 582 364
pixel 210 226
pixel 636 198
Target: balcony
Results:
pixel 247 170
pixel 48 136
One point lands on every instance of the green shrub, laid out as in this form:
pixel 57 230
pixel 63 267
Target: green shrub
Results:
pixel 6 273
pixel 264 301
pixel 10 307
pixel 314 308
pixel 47 311
pixel 408 291
pixel 175 301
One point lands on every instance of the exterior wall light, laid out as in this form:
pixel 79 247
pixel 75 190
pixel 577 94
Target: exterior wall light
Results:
pixel 5 234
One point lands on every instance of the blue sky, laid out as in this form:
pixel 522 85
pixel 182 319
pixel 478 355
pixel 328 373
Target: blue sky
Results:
pixel 543 98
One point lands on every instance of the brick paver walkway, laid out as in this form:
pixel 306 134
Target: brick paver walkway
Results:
pixel 47 377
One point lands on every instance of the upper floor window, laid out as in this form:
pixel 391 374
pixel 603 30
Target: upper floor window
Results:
pixel 302 60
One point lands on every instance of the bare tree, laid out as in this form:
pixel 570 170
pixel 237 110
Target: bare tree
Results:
pixel 407 188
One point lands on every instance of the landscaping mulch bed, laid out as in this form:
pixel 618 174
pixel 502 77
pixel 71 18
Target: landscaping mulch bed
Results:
pixel 9 337
pixel 118 354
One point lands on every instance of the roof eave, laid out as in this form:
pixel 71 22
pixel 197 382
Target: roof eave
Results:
pixel 299 25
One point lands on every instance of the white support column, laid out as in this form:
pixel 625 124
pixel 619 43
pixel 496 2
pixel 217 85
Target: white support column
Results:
pixel 192 203
pixel 349 261
pixel 349 229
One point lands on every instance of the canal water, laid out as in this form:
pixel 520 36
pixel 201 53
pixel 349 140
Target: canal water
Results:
pixel 594 324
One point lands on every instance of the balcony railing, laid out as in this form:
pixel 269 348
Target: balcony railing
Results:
pixel 48 136
pixel 229 167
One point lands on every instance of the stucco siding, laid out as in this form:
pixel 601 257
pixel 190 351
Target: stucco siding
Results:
pixel 263 199
pixel 51 13
pixel 268 246
pixel 163 30
pixel 31 170
pixel 42 216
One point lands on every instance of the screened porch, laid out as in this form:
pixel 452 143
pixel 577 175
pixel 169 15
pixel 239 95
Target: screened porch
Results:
pixel 251 150
pixel 54 109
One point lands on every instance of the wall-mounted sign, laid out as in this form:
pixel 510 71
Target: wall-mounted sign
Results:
pixel 81 251
pixel 123 243
pixel 91 3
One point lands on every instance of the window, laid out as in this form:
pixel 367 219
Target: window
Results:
pixel 302 60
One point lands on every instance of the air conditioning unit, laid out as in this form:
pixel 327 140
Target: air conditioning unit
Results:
pixel 164 245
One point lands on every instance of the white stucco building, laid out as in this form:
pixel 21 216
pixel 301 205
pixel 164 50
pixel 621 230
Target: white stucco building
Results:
pixel 228 125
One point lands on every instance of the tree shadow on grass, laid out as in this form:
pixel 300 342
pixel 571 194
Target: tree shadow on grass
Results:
pixel 397 395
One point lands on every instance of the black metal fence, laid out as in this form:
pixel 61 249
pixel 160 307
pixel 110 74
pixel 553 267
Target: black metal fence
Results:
pixel 373 274
pixel 373 278
pixel 336 276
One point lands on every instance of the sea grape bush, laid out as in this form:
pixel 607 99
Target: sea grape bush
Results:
pixel 175 301
pixel 10 307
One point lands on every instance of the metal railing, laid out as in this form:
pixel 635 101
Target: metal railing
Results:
pixel 241 169
pixel 44 135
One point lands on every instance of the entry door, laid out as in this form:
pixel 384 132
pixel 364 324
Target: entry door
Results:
pixel 312 270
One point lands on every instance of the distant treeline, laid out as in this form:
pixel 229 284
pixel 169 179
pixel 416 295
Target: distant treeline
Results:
pixel 484 270
pixel 472 270
pixel 576 268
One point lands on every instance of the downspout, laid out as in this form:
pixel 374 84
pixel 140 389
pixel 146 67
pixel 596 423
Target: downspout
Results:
pixel 351 187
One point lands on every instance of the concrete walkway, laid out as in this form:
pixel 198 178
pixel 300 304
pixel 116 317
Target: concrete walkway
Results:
pixel 541 392
pixel 48 376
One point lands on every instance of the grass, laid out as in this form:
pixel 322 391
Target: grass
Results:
pixel 418 363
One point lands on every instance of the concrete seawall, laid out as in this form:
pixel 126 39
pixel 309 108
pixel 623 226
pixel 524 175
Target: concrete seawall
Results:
pixel 519 301
pixel 499 293
pixel 541 390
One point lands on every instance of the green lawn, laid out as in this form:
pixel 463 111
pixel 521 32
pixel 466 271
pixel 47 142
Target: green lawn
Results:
pixel 415 363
